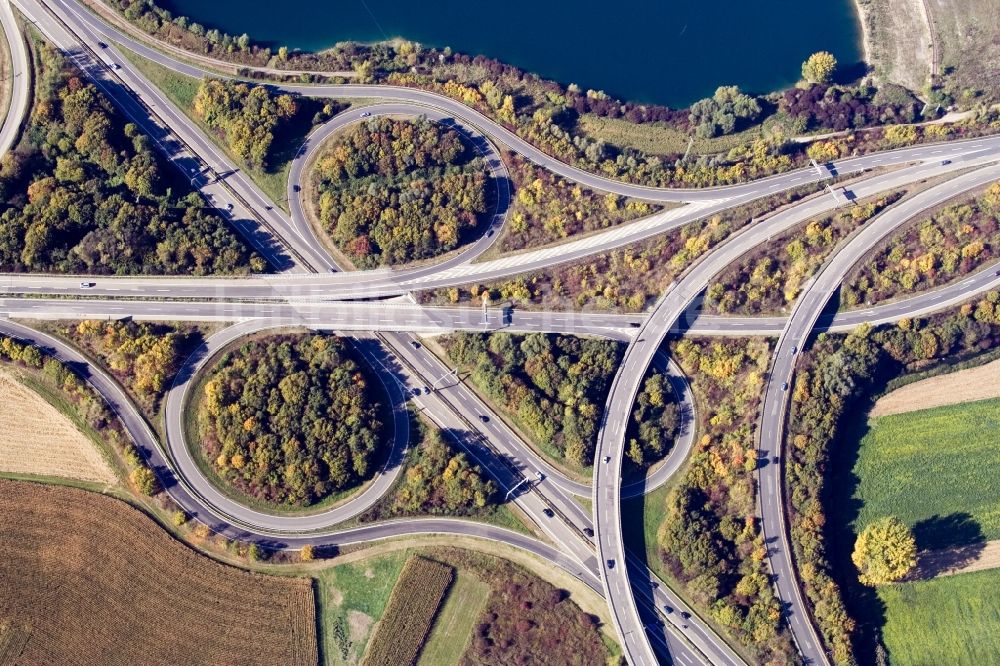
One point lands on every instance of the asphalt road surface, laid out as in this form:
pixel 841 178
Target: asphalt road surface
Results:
pixel 303 297
pixel 806 312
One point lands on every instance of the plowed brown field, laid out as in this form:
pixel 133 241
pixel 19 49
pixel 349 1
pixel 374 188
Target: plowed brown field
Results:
pixel 36 439
pixel 86 579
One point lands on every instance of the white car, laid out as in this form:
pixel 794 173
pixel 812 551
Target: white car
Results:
pixel 87 285
pixel 366 114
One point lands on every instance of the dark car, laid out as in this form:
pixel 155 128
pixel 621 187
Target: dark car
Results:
pixel 611 564
pixel 668 609
pixel 296 188
pixel 484 418
pixel 685 615
pixel 549 513
pixel 784 386
pixel 588 532
pixel 414 344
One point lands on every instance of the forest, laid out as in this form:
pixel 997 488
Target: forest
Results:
pixel 289 419
pixel 439 481
pixel 548 208
pixel 655 421
pixel 835 377
pixel 552 386
pixel 393 191
pixel 627 279
pixel 143 356
pixel 768 279
pixel 85 192
pixel 950 243
pixel 548 114
pixel 248 116
pixel 710 539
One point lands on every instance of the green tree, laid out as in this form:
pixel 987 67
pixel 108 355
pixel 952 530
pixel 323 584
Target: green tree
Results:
pixel 819 67
pixel 884 552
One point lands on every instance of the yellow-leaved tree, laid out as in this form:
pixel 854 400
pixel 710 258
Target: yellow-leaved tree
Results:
pixel 884 552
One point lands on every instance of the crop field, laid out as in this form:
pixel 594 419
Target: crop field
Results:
pixel 937 470
pixel 977 383
pixel 352 596
pixel 86 579
pixel 408 617
pixel 949 620
pixel 455 621
pixel 35 438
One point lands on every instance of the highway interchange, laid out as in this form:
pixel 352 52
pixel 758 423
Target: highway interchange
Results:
pixel 310 291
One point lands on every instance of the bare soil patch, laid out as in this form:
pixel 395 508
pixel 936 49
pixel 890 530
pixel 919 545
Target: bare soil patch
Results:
pixel 979 383
pixel 968 36
pixel 89 580
pixel 359 623
pixel 898 41
pixel 960 559
pixel 35 438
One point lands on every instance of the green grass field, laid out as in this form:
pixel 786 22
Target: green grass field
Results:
pixel 455 620
pixel 950 620
pixel 937 470
pixel 351 598
pixel 661 138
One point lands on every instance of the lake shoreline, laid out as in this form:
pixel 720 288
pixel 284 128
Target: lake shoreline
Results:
pixel 866 36
pixel 656 58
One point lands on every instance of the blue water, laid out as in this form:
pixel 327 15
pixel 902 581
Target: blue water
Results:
pixel 671 52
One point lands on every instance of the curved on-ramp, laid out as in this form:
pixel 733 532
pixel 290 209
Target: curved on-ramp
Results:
pixel 20 75
pixel 179 399
pixel 503 135
pixel 805 314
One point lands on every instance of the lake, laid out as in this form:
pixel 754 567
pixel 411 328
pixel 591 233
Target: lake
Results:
pixel 670 52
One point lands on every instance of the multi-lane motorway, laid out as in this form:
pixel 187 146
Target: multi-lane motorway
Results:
pixel 310 293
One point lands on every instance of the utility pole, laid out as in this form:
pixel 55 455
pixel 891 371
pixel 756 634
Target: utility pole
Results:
pixel 517 485
pixel 444 376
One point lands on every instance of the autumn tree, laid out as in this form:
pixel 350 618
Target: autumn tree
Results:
pixel 554 386
pixel 438 480
pixel 726 111
pixel 393 191
pixel 144 480
pixel 307 553
pixel 819 67
pixel 248 115
pixel 884 552
pixel 94 198
pixel 290 419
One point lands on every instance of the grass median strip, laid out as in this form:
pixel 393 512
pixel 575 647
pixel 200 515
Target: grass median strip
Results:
pixel 411 611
